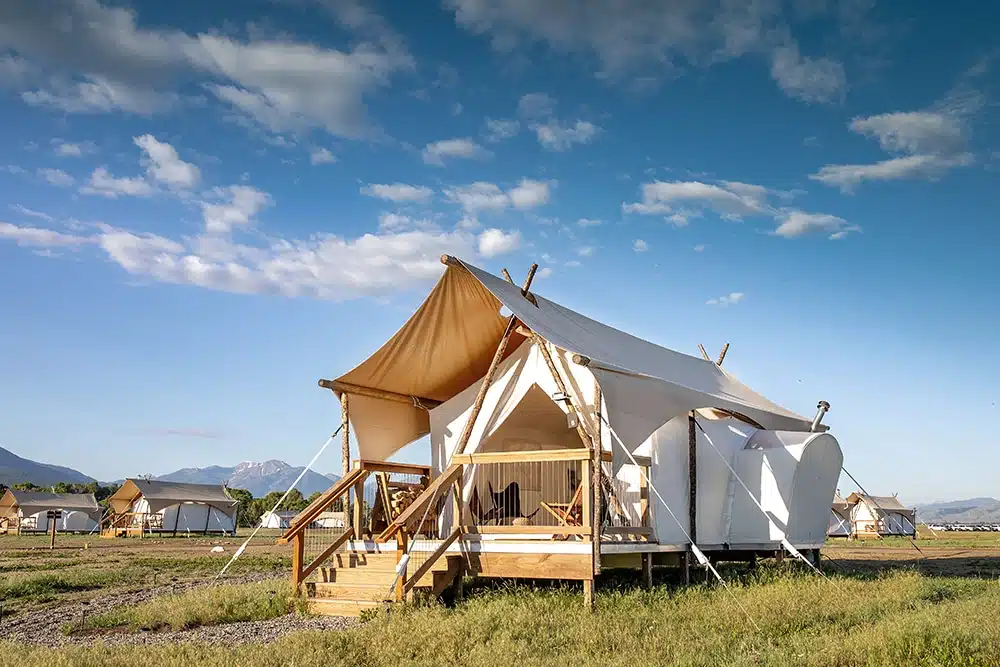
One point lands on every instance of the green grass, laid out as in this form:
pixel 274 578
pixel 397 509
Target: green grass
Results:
pixel 901 618
pixel 210 605
pixel 46 587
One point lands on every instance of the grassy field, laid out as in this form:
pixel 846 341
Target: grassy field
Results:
pixel 883 603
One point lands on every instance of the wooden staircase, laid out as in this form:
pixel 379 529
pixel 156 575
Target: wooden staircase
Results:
pixel 355 581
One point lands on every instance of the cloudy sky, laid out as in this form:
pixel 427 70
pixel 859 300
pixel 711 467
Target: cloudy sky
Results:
pixel 206 207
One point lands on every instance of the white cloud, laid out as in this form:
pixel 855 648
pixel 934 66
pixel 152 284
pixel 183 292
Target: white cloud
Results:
pixel 482 196
pixel 848 176
pixel 493 242
pixel 730 299
pixel 529 194
pixel 536 105
pixel 500 129
pixel 37 237
pixel 558 137
pixel 700 247
pixel 163 165
pixel 67 149
pixel 321 156
pixel 398 192
pixel 638 42
pixel 96 94
pixel 797 223
pixel 733 201
pixel 640 246
pixel 543 272
pixel 104 184
pixel 239 205
pixel 56 177
pixel 585 251
pixel 325 266
pixel 925 144
pixel 588 222
pixel 31 213
pixel 103 61
pixel 464 148
pixel 807 79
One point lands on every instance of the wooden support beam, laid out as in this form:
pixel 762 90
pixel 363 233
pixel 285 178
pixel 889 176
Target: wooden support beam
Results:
pixel 359 507
pixel 345 452
pixel 576 454
pixel 597 454
pixel 526 530
pixel 704 354
pixel 371 392
pixel 448 260
pixel 506 274
pixel 426 566
pixel 647 570
pixel 722 355
pixel 588 594
pixel 320 559
pixel 391 466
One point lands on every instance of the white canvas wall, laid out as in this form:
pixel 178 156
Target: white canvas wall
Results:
pixel 274 520
pixel 189 517
pixel 839 526
pixel 72 521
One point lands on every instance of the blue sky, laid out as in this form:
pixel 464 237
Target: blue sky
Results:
pixel 205 208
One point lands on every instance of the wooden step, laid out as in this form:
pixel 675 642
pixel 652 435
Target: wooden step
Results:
pixel 331 607
pixel 379 563
pixel 363 592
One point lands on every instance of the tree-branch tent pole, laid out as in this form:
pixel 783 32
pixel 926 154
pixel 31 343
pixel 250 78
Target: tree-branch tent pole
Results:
pixel 345 453
pixel 595 471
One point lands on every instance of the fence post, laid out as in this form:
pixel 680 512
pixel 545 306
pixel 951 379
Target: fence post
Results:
pixel 400 553
pixel 298 549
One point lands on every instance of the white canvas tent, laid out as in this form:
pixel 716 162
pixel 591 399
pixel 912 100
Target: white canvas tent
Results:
pixel 277 519
pixel 175 507
pixel 881 515
pixel 442 353
pixel 840 518
pixel 28 510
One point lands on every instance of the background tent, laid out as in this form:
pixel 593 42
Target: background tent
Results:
pixel 79 511
pixel 176 506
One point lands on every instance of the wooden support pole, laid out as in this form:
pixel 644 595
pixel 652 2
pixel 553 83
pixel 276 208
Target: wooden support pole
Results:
pixel 647 570
pixel 692 484
pixel 722 355
pixel 371 392
pixel 52 529
pixel 588 594
pixel 359 506
pixel 400 552
pixel 704 354
pixel 506 274
pixel 345 452
pixel 595 471
pixel 686 565
pixel 298 549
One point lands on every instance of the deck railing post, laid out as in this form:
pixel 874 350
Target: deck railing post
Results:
pixel 401 544
pixel 298 550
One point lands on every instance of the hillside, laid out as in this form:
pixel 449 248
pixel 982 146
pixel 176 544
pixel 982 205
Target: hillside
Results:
pixel 257 478
pixel 973 510
pixel 15 470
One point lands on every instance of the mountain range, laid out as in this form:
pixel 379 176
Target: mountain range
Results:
pixel 257 478
pixel 973 510
pixel 15 469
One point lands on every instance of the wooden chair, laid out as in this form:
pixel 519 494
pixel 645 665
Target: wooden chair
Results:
pixel 567 514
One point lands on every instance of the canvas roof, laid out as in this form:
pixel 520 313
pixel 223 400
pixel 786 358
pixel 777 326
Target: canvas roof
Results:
pixel 163 494
pixel 31 502
pixel 885 503
pixel 449 342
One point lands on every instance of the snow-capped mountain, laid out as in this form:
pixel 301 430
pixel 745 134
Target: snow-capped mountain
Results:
pixel 259 478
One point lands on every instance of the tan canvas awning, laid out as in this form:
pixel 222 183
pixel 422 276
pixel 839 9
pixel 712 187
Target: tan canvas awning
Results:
pixel 164 494
pixel 448 343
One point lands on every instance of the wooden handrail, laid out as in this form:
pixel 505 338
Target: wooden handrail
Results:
pixel 336 544
pixel 413 513
pixel 316 507
pixel 433 558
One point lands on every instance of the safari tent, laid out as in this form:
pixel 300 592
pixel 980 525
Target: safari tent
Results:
pixel 840 518
pixel 881 516
pixel 27 511
pixel 277 519
pixel 143 506
pixel 560 446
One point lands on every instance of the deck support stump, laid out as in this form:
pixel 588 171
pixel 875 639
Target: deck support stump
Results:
pixel 588 594
pixel 647 570
pixel 686 567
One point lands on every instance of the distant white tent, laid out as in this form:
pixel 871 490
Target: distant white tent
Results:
pixel 881 515
pixel 173 507
pixel 27 511
pixel 840 518
pixel 277 519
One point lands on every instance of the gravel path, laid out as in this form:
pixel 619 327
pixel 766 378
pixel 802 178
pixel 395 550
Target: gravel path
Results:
pixel 44 626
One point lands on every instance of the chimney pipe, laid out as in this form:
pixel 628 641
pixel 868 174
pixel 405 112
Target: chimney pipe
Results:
pixel 821 409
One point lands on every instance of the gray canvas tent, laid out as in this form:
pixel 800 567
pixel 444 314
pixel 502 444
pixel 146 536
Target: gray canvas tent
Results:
pixel 172 507
pixel 27 511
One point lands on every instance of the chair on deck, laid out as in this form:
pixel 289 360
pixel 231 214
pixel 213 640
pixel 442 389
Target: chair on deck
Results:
pixel 507 503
